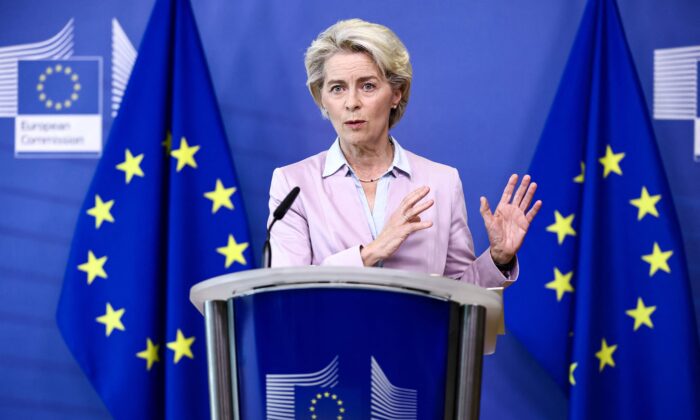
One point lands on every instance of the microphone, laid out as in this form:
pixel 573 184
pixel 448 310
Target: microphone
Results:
pixel 278 214
pixel 284 206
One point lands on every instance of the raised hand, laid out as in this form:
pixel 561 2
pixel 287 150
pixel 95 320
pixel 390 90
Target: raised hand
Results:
pixel 403 222
pixel 507 226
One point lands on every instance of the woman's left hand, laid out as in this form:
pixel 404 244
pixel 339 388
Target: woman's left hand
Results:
pixel 508 225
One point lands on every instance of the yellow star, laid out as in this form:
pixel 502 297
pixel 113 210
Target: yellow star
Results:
pixel 233 251
pixel 641 314
pixel 646 204
pixel 611 162
pixel 658 260
pixel 580 177
pixel 94 267
pixel 181 346
pixel 572 368
pixel 131 166
pixel 168 142
pixel 562 226
pixel 150 354
pixel 185 155
pixel 605 355
pixel 101 211
pixel 220 197
pixel 561 283
pixel 112 319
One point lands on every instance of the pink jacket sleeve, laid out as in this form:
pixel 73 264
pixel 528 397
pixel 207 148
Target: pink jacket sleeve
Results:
pixel 290 238
pixel 461 262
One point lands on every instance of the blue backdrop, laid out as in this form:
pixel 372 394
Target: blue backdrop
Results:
pixel 485 74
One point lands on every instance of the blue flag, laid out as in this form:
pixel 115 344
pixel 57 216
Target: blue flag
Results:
pixel 604 301
pixel 57 87
pixel 162 213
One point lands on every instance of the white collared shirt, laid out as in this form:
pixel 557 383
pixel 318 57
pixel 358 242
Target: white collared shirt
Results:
pixel 335 160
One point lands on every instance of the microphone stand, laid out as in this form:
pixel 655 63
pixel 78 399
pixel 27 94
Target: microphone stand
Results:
pixel 267 250
pixel 278 214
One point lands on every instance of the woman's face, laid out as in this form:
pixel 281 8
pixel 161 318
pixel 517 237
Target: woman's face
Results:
pixel 358 99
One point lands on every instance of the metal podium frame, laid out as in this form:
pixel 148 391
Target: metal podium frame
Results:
pixel 479 317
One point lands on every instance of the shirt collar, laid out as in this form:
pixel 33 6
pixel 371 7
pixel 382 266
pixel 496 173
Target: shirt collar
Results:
pixel 335 159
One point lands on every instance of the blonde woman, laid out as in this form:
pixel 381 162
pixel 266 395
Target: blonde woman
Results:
pixel 366 201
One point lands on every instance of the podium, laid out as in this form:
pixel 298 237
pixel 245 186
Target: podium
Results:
pixel 345 343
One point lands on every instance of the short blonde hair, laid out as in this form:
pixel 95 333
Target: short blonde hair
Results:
pixel 377 41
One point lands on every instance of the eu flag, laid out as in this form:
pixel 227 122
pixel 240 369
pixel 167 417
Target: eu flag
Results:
pixel 604 301
pixel 59 86
pixel 162 213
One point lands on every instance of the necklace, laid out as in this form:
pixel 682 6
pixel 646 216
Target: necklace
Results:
pixel 369 181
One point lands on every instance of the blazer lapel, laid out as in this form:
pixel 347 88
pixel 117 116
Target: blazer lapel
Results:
pixel 398 189
pixel 344 212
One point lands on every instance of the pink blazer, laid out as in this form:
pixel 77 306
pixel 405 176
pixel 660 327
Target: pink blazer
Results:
pixel 326 224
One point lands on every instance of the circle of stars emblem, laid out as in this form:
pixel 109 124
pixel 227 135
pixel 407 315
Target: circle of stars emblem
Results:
pixel 54 72
pixel 330 397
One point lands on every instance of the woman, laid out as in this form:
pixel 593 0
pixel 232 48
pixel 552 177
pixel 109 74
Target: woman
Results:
pixel 367 201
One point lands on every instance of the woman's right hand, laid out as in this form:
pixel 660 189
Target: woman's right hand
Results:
pixel 403 222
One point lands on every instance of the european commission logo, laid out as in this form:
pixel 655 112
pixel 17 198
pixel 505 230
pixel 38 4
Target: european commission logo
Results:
pixel 59 106
pixel 55 97
pixel 56 87
pixel 676 90
pixel 317 395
